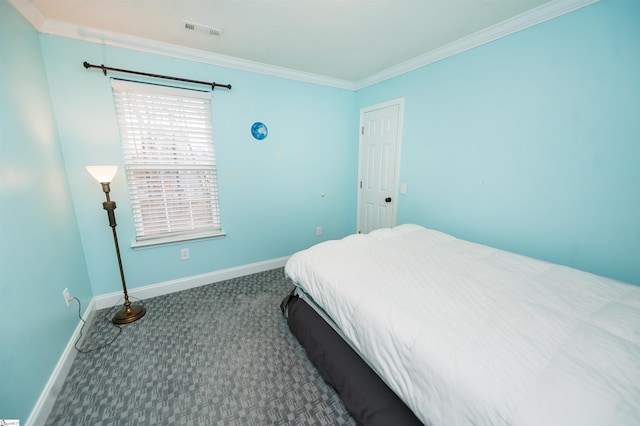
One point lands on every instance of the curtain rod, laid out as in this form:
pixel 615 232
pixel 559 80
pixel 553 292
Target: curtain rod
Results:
pixel 105 69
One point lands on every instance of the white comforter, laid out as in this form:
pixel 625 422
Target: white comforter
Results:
pixel 467 334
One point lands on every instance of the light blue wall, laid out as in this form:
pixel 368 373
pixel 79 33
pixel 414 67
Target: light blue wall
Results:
pixel 40 249
pixel 532 143
pixel 270 190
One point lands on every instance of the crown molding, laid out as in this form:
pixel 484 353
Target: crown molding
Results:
pixel 94 35
pixel 525 20
pixel 29 11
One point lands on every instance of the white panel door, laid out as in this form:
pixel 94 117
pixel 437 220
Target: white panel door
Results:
pixel 379 154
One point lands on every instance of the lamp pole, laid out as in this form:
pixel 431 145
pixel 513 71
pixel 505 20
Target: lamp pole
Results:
pixel 104 175
pixel 129 313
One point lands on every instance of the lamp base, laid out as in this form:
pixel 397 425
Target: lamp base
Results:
pixel 129 314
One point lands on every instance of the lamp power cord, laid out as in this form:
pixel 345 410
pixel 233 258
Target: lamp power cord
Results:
pixel 106 318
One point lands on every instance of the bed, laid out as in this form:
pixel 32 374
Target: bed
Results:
pixel 464 334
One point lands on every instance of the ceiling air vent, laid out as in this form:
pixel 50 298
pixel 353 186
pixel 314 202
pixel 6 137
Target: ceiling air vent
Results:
pixel 192 26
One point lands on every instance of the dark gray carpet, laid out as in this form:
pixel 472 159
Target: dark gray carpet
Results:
pixel 220 354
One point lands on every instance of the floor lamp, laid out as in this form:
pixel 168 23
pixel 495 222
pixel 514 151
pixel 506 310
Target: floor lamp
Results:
pixel 104 175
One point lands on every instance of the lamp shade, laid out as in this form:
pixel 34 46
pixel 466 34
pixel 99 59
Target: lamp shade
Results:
pixel 103 174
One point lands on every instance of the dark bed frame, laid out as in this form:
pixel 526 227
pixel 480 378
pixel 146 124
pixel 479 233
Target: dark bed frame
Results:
pixel 365 395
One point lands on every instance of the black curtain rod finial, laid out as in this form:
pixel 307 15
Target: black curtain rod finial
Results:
pixel 87 65
pixel 214 84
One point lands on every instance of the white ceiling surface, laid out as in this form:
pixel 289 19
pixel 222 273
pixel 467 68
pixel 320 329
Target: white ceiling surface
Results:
pixel 341 43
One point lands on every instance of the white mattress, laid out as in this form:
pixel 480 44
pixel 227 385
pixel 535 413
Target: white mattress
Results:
pixel 467 334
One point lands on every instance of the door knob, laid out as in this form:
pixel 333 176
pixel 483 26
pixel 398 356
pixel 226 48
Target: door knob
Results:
pixel 388 199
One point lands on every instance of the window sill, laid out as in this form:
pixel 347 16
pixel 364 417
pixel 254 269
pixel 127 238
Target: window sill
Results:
pixel 177 239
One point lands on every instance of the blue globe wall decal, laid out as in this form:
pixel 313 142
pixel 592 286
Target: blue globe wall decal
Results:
pixel 259 131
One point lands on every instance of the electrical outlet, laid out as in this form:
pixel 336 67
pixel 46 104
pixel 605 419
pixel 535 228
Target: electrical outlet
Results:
pixel 67 297
pixel 184 254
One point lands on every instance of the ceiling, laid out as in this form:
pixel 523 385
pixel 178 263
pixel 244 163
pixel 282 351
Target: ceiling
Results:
pixel 346 43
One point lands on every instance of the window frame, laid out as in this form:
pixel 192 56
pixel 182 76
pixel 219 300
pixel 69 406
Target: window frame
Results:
pixel 181 159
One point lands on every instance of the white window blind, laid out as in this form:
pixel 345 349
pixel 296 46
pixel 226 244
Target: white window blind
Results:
pixel 169 159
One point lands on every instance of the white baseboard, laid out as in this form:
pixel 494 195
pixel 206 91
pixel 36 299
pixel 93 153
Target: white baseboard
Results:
pixel 154 290
pixel 44 405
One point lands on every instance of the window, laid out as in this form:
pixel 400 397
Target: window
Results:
pixel 169 161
